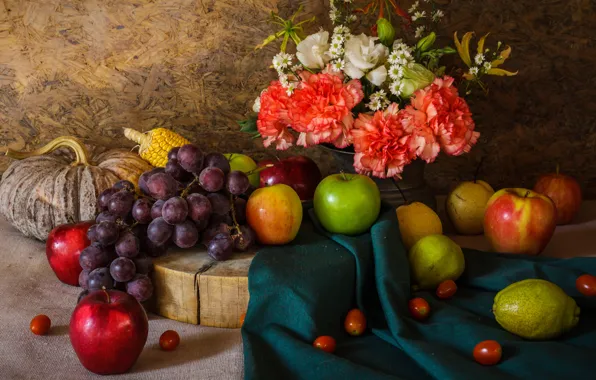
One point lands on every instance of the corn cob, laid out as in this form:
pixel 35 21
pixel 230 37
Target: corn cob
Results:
pixel 155 144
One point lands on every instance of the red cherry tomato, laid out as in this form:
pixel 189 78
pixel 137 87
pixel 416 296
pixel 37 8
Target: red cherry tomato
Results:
pixel 586 285
pixel 169 340
pixel 419 308
pixel 446 289
pixel 242 316
pixel 488 352
pixel 40 324
pixel 325 343
pixel 355 322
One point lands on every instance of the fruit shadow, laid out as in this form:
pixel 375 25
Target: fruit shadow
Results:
pixel 198 347
pixel 59 330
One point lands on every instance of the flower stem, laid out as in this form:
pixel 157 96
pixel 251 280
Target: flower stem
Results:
pixel 396 183
pixel 478 169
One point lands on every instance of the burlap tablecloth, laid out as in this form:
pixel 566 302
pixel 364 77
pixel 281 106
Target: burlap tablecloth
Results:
pixel 29 287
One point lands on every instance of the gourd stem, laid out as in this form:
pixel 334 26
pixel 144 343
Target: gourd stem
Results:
pixel 135 136
pixel 81 154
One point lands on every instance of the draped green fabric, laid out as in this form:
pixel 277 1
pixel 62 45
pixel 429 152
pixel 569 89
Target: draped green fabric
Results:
pixel 304 290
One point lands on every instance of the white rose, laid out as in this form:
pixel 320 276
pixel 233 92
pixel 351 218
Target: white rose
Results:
pixel 312 51
pixel 256 107
pixel 364 56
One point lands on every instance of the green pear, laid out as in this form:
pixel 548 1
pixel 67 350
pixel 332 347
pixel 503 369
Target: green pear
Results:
pixel 465 206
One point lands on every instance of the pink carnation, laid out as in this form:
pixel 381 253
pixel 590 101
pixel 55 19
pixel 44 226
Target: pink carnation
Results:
pixel 321 109
pixel 423 142
pixel 381 144
pixel 273 120
pixel 446 114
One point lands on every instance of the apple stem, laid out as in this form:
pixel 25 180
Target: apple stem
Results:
pixel 107 294
pixel 343 175
pixel 395 182
pixel 478 169
pixel 230 158
pixel 260 169
pixel 527 193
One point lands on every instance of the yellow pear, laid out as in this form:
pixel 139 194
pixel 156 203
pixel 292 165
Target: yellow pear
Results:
pixel 465 206
pixel 417 220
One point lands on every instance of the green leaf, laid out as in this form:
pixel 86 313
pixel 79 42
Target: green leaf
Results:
pixel 249 125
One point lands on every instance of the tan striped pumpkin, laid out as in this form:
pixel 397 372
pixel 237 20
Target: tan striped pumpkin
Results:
pixel 43 189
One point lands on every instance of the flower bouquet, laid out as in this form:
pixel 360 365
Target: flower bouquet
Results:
pixel 389 98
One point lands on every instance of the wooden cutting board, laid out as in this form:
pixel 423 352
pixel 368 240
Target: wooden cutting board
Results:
pixel 191 287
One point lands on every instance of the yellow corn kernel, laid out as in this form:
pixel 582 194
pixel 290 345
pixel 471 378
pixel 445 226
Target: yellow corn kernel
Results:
pixel 155 144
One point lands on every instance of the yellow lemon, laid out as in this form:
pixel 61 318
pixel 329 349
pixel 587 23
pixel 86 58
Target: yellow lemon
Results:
pixel 417 220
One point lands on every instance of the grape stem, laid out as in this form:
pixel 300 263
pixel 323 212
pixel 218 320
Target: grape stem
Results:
pixel 233 210
pixel 190 185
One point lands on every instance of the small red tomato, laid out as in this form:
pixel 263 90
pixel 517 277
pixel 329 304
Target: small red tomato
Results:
pixel 446 289
pixel 242 316
pixel 40 324
pixel 355 322
pixel 586 285
pixel 325 343
pixel 169 340
pixel 419 308
pixel 488 352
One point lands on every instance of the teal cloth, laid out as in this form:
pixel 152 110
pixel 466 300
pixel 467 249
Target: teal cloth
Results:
pixel 304 290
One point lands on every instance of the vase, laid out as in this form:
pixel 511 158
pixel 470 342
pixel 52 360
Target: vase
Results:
pixel 412 184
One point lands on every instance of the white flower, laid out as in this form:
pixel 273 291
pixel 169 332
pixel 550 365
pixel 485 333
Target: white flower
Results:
pixel 419 31
pixel 396 72
pixel 338 65
pixel 347 1
pixel 418 15
pixel 378 100
pixel 256 107
pixel 283 79
pixel 438 14
pixel 414 7
pixel 473 70
pixel 282 61
pixel 351 18
pixel 311 50
pixel 297 68
pixel 341 29
pixel 487 66
pixel 334 15
pixel 364 56
pixel 374 105
pixel 290 89
pixel 336 52
pixel 337 39
pixel 396 88
pixel 479 58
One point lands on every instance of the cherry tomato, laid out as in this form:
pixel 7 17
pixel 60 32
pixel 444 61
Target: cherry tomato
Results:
pixel 446 289
pixel 419 308
pixel 242 316
pixel 355 322
pixel 488 352
pixel 586 285
pixel 169 340
pixel 40 324
pixel 325 343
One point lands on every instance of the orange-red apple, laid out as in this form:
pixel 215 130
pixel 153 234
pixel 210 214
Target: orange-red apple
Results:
pixel 519 221
pixel 564 191
pixel 275 214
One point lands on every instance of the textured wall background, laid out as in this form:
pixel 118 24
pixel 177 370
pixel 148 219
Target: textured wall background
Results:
pixel 91 67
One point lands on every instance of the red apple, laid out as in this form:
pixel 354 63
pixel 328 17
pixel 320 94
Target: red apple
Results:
pixel 108 330
pixel 519 221
pixel 299 172
pixel 63 247
pixel 564 191
pixel 274 213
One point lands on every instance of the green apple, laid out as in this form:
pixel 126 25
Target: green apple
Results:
pixel 245 164
pixel 347 204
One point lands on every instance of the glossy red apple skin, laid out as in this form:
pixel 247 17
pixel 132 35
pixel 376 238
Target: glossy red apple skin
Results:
pixel 519 221
pixel 299 172
pixel 108 330
pixel 63 248
pixel 564 191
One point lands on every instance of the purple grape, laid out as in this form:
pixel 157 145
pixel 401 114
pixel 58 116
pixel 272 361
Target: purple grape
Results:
pixel 240 208
pixel 162 186
pixel 202 224
pixel 120 286
pixel 245 239
pixel 128 245
pixel 159 231
pixel 82 295
pixel 185 234
pixel 152 249
pixel 121 203
pixel 107 233
pixel 221 247
pixel 104 198
pixel 122 269
pixel 84 279
pixel 140 230
pixel 212 230
pixel 141 210
pixel 145 176
pixel 173 153
pixel 143 264
pixel 199 207
pixel 237 182
pixel 174 169
pixel 156 209
pixel 100 278
pixel 106 217
pixel 175 210
pixel 217 160
pixel 212 179
pixel 124 184
pixel 220 204
pixel 140 287
pixel 190 157
pixel 92 233
pixel 227 219
pixel 93 257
